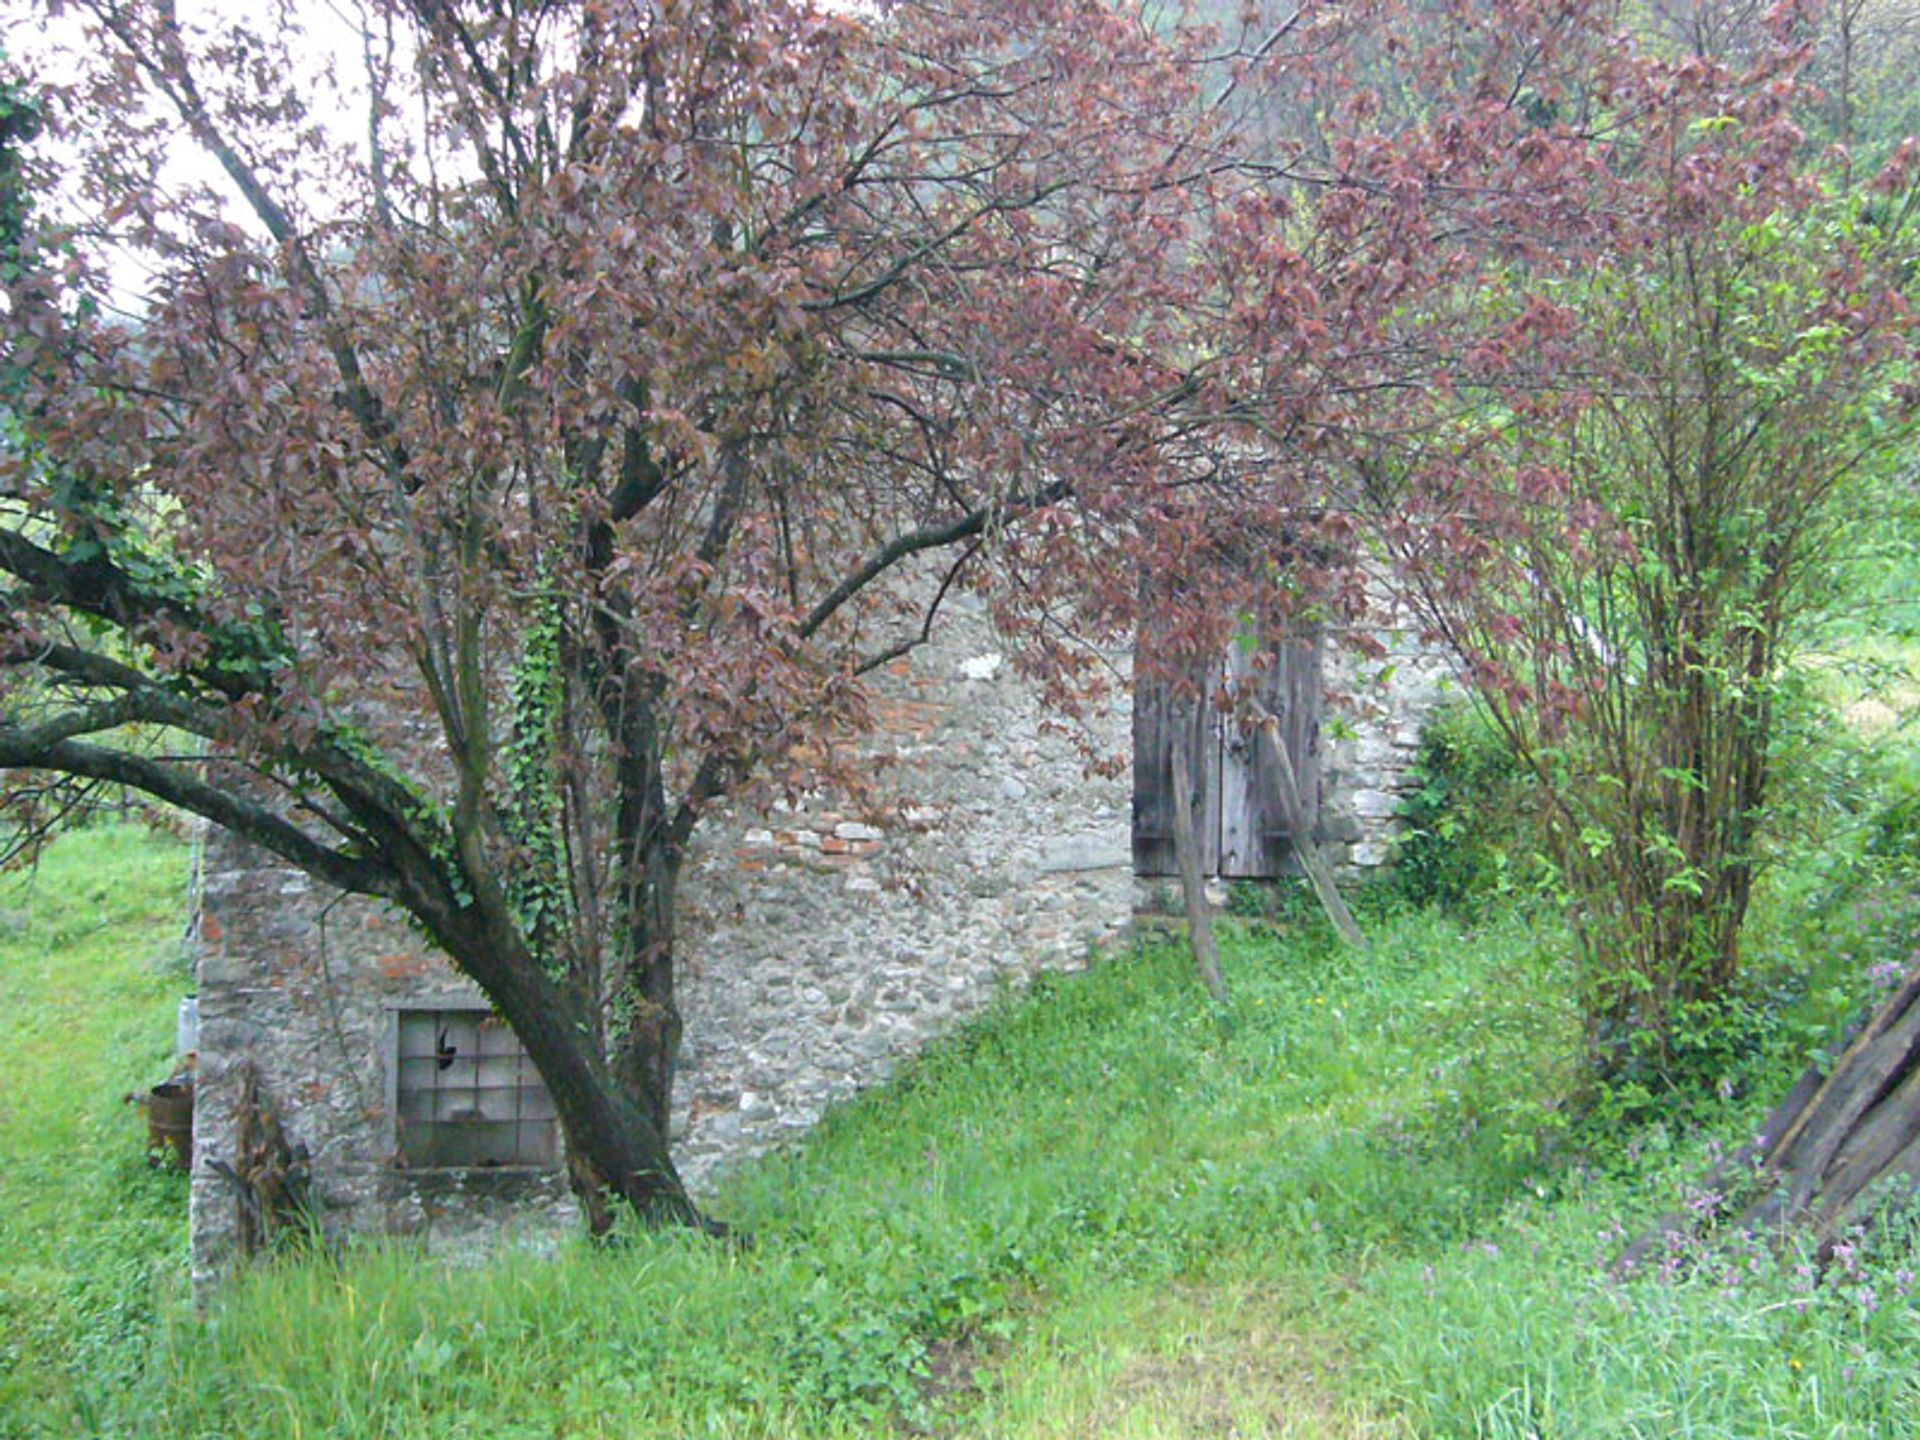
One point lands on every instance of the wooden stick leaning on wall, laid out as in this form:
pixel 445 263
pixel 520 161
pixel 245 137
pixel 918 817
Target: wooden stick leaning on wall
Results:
pixel 1186 853
pixel 1294 811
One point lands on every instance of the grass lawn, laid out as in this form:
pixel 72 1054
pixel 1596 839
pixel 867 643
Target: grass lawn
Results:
pixel 1345 1204
pixel 91 971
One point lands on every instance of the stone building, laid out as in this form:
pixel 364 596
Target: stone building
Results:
pixel 821 944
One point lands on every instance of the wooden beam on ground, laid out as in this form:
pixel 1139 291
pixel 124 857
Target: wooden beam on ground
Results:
pixel 1842 1150
pixel 1294 810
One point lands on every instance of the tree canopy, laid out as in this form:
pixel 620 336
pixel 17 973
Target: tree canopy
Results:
pixel 487 486
pixel 490 490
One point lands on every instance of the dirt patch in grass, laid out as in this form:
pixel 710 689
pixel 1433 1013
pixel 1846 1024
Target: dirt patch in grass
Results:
pixel 1252 1374
pixel 1194 1362
pixel 955 1368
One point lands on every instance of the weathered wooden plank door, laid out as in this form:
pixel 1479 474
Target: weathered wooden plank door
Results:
pixel 1254 839
pixel 1161 720
pixel 1237 822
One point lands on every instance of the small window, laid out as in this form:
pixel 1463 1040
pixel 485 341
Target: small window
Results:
pixel 466 1096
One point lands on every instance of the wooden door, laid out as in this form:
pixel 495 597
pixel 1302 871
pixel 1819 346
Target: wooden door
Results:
pixel 1237 821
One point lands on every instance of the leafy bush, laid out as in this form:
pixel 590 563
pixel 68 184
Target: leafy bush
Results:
pixel 1468 835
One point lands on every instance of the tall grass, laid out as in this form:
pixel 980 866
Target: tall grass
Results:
pixel 1103 1140
pixel 91 1240
pixel 1350 1202
pixel 1740 1337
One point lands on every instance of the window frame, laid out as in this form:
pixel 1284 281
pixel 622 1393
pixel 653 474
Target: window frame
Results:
pixel 477 1011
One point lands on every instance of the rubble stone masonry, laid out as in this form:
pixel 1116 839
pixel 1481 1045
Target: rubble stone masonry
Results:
pixel 821 943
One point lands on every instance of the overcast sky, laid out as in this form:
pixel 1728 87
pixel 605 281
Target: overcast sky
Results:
pixel 326 62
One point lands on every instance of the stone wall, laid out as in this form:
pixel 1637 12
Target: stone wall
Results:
pixel 1370 739
pixel 833 942
pixel 821 943
pixel 302 984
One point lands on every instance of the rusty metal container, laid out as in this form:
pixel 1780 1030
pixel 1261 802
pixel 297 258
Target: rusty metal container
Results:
pixel 170 1124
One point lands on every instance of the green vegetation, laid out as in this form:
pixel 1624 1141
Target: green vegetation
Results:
pixel 95 1242
pixel 1664 558
pixel 1673 853
pixel 1466 840
pixel 1350 1203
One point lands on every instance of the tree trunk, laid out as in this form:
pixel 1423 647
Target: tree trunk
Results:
pixel 1844 1140
pixel 643 1017
pixel 614 1140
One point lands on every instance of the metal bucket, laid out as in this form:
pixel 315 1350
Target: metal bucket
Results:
pixel 170 1124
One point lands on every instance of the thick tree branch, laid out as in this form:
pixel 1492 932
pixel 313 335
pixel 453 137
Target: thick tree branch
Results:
pixel 171 783
pixel 108 715
pixel 96 586
pixel 914 642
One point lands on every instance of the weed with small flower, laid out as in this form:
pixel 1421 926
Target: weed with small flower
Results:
pixel 1728 1334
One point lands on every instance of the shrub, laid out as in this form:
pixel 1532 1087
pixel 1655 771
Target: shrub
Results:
pixel 1468 829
